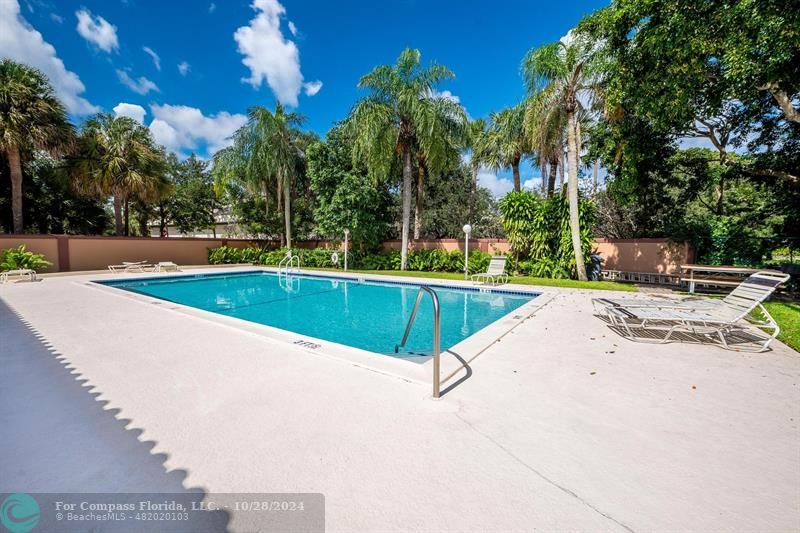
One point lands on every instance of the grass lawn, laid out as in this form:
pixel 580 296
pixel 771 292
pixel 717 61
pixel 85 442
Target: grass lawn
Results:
pixel 787 315
pixel 522 280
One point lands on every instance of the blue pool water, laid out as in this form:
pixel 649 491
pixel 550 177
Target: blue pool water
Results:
pixel 363 314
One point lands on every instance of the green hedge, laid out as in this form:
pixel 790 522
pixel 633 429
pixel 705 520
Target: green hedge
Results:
pixel 422 260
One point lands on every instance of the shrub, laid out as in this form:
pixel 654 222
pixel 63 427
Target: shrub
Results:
pixel 19 258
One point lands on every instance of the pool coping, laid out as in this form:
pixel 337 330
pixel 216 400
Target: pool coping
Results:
pixel 455 361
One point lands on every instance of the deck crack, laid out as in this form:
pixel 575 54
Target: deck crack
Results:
pixel 562 488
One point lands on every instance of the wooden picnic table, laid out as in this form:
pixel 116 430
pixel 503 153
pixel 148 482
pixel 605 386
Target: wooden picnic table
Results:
pixel 725 275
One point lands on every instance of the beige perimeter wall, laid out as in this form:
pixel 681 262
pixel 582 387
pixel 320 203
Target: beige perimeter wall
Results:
pixel 76 253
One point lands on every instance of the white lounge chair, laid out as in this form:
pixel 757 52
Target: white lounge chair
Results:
pixel 20 274
pixel 166 266
pixel 129 266
pixel 739 321
pixel 495 272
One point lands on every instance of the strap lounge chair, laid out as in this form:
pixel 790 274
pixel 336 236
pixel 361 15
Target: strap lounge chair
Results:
pixel 20 274
pixel 737 322
pixel 166 266
pixel 495 273
pixel 129 266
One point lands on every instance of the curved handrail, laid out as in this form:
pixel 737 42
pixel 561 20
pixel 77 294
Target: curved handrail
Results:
pixel 436 334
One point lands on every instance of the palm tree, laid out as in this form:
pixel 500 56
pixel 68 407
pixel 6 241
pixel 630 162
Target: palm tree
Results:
pixel 402 115
pixel 31 118
pixel 118 158
pixel 479 146
pixel 544 126
pixel 559 72
pixel 510 140
pixel 264 156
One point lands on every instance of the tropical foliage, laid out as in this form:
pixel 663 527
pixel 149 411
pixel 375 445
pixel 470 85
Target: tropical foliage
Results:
pixel 19 258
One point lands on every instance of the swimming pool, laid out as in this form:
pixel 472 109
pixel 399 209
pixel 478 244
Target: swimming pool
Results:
pixel 366 314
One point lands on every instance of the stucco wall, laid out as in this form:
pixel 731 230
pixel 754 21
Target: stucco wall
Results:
pixel 75 253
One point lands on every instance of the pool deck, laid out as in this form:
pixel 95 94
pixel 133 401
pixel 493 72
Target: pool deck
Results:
pixel 562 425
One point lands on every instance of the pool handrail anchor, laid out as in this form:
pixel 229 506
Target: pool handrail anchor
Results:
pixel 436 334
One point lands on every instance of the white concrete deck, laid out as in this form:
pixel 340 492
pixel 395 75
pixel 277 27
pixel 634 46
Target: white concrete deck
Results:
pixel 561 425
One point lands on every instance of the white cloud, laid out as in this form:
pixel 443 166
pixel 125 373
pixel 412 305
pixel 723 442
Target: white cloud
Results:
pixel 184 68
pixel 180 128
pixel 293 28
pixel 497 186
pixel 21 42
pixel 447 95
pixel 55 17
pixel 312 87
pixel 97 30
pixel 212 7
pixel 136 112
pixel 156 60
pixel 140 85
pixel 268 54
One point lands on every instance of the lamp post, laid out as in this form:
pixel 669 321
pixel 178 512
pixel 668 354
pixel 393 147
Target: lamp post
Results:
pixel 467 229
pixel 346 233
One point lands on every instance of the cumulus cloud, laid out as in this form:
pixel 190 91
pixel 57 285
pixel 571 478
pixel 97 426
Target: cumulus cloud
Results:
pixel 180 128
pixel 447 95
pixel 156 60
pixel 270 57
pixel 312 87
pixel 140 85
pixel 136 112
pixel 21 42
pixel 184 68
pixel 97 30
pixel 497 186
pixel 292 28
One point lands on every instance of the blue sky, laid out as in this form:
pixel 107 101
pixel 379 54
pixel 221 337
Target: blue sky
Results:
pixel 235 54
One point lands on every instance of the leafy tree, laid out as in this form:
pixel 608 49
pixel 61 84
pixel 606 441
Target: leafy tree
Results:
pixel 194 205
pixel 558 73
pixel 478 143
pixel 346 197
pixel 401 115
pixel 117 157
pixel 31 118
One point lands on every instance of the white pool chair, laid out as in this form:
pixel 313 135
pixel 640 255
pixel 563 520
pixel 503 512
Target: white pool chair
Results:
pixel 737 322
pixel 129 266
pixel 166 266
pixel 20 274
pixel 495 272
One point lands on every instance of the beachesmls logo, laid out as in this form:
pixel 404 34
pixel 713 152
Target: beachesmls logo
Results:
pixel 19 513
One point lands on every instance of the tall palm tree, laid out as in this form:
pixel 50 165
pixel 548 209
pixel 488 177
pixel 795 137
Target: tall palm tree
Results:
pixel 510 139
pixel 479 146
pixel 562 71
pixel 401 116
pixel 31 118
pixel 545 125
pixel 117 157
pixel 264 156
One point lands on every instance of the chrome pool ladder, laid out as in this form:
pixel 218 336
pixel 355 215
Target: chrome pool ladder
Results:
pixel 290 263
pixel 436 334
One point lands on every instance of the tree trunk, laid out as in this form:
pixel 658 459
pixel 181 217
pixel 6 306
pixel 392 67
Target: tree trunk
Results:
pixel 144 230
pixel 545 185
pixel 551 182
pixel 572 196
pixel 420 199
pixel 162 222
pixel 14 161
pixel 473 192
pixel 561 172
pixel 287 213
pixel 119 228
pixel 595 172
pixel 515 170
pixel 406 207
pixel 127 219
